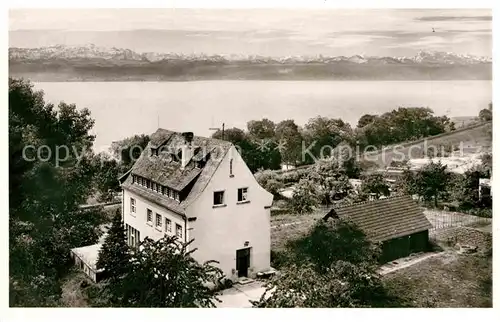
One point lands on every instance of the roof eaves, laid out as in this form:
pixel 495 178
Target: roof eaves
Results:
pixel 146 196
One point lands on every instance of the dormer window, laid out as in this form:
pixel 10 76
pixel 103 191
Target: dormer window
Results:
pixel 154 151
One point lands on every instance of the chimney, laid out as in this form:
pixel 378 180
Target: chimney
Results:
pixel 187 148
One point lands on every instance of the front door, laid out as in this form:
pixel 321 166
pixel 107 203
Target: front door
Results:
pixel 243 262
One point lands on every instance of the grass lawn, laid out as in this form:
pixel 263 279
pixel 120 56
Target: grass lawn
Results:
pixel 447 280
pixel 288 227
pixel 450 279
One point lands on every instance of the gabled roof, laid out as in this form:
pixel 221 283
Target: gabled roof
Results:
pixel 169 173
pixel 385 219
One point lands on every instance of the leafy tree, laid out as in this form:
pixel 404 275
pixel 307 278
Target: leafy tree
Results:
pixel 406 183
pixel 305 196
pixel 233 135
pixel 347 158
pixel 45 192
pixel 403 124
pixel 274 187
pixel 289 139
pixel 257 154
pixel 343 285
pixel 333 240
pixel 261 155
pixel 163 274
pixel 260 130
pixel 365 120
pixel 106 178
pixel 464 188
pixel 333 266
pixel 486 114
pixel 114 258
pixel 128 150
pixel 269 180
pixel 323 134
pixel 375 183
pixel 431 181
pixel 331 180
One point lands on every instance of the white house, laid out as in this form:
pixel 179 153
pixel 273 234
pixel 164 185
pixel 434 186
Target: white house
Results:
pixel 199 188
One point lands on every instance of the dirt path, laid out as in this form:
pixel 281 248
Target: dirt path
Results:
pixel 406 262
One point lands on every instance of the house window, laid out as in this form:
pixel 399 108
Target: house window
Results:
pixel 242 194
pixel 158 220
pixel 132 205
pixel 133 236
pixel 169 192
pixel 149 217
pixel 164 190
pixel 158 188
pixel 134 179
pixel 154 186
pixel 141 181
pixel 231 167
pixel 148 183
pixel 168 225
pixel 176 195
pixel 218 197
pixel 178 230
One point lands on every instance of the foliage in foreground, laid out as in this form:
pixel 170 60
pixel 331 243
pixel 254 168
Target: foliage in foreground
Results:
pixel 163 274
pixel 334 266
pixel 114 259
pixel 45 191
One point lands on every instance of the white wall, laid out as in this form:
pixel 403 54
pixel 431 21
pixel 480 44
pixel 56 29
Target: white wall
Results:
pixel 139 219
pixel 219 232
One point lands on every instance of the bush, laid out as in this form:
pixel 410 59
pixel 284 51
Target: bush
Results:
pixel 278 259
pixel 305 197
pixel 274 186
pixel 481 212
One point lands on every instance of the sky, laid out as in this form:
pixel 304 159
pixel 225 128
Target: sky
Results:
pixel 266 32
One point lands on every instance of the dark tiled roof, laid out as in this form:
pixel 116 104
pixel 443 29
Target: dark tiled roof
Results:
pixel 169 173
pixel 164 172
pixel 386 219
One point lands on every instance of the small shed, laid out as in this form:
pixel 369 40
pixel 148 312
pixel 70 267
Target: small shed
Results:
pixel 397 222
pixel 86 258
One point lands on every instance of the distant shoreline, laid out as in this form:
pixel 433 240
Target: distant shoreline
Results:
pixel 257 80
pixel 42 79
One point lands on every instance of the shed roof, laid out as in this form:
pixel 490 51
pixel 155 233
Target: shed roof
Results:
pixel 88 254
pixel 386 219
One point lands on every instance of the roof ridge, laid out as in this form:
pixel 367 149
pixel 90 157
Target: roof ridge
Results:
pixel 372 201
pixel 195 136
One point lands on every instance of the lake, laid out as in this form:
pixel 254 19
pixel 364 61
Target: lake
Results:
pixel 121 109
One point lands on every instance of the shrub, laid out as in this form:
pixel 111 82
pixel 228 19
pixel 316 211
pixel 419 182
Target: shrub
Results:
pixel 305 197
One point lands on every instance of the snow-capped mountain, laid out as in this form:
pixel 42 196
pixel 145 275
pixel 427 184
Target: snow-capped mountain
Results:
pixel 92 63
pixel 90 52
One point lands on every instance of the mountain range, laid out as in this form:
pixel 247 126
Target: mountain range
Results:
pixel 92 63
